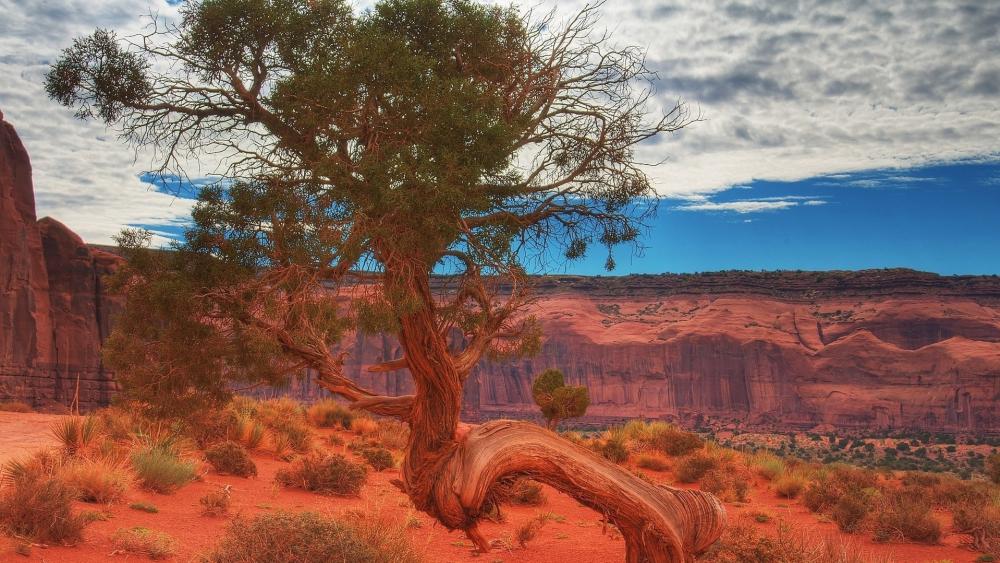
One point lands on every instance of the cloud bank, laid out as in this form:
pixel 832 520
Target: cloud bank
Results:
pixel 788 89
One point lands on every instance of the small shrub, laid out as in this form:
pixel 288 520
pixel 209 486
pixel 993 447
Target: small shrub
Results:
pixel 310 538
pixel 981 521
pixel 525 492
pixel 691 468
pixel 392 434
pixel 15 406
pixel 97 481
pixel 850 512
pixel 727 484
pixel 144 507
pixel 676 442
pixel 902 515
pixel 41 507
pixel 614 451
pixel 161 470
pixel 993 468
pixel 377 458
pixel 230 457
pixel 216 503
pixel 328 413
pixel 769 466
pixel 334 440
pixel 652 462
pixel 151 543
pixel 528 530
pixel 75 433
pixel 364 426
pixel 743 542
pixel 789 485
pixel 332 474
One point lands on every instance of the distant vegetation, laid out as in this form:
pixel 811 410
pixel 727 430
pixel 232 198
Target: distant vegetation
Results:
pixel 557 400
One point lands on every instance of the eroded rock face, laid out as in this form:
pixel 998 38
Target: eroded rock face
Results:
pixel 53 311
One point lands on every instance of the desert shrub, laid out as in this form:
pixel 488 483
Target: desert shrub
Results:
pixel 528 529
pixel 903 515
pixel 97 481
pixel 334 440
pixel 828 485
pixel 850 512
pixel 386 535
pixel 211 426
pixel 151 543
pixel 310 538
pixel 727 484
pixel 743 542
pixel 524 492
pixel 40 507
pixel 328 413
pixel 614 451
pixel 993 468
pixel 652 462
pixel 75 433
pixel 768 466
pixel 789 485
pixel 216 503
pixel 364 426
pixel 377 458
pixel 144 507
pixel 676 442
pixel 230 457
pixel 332 474
pixel 162 470
pixel 299 437
pixel 249 432
pixel 116 422
pixel 980 519
pixel 43 463
pixel 691 468
pixel 392 434
pixel 15 406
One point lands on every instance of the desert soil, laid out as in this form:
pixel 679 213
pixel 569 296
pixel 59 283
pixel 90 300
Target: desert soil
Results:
pixel 577 535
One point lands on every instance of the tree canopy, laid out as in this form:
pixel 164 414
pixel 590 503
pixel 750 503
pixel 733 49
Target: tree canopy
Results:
pixel 557 400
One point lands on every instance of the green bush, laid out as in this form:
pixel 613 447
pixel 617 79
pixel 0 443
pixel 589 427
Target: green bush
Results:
pixel 161 470
pixel 310 538
pixel 230 457
pixel 332 474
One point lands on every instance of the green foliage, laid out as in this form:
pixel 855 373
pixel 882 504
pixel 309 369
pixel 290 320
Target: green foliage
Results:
pixel 230 457
pixel 161 470
pixel 557 400
pixel 333 475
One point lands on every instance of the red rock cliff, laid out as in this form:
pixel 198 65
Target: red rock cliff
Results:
pixel 53 314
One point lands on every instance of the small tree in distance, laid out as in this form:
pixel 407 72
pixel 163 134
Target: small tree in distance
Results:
pixel 557 400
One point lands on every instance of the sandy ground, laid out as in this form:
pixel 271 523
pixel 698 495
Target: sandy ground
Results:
pixel 576 535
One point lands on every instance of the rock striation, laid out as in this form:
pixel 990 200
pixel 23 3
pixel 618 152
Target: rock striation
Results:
pixel 54 314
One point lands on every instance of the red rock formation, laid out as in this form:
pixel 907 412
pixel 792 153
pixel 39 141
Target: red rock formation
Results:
pixel 53 312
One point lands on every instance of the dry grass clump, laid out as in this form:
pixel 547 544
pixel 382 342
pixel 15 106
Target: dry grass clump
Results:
pixel 729 484
pixel 144 507
pixel 161 470
pixel 834 481
pixel 523 492
pixel 282 422
pixel 216 503
pixel 364 425
pixel 652 462
pixel 692 467
pixel 902 515
pixel 309 538
pixel 981 521
pixel 15 406
pixel 614 450
pixel 151 543
pixel 98 480
pixel 328 413
pixel 230 457
pixel 743 542
pixel 331 475
pixel 767 465
pixel 378 458
pixel 790 485
pixel 37 504
pixel 528 529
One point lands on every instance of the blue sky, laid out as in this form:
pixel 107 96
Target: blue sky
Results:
pixel 826 123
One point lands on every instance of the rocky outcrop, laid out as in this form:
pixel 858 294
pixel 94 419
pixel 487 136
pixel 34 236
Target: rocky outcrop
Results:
pixel 54 314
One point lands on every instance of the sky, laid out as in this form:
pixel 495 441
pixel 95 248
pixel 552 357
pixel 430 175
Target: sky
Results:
pixel 836 134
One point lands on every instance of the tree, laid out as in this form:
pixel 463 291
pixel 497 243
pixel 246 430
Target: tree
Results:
pixel 360 154
pixel 557 400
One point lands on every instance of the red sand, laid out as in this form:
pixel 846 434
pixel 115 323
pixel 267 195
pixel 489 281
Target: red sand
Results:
pixel 578 538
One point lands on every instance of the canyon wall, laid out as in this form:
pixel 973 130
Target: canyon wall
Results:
pixel 870 349
pixel 53 311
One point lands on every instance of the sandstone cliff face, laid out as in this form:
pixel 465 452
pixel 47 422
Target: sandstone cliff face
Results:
pixel 53 312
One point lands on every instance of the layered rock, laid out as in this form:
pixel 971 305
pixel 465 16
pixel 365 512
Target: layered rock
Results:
pixel 54 314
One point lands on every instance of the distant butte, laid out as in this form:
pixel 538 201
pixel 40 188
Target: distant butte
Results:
pixel 784 350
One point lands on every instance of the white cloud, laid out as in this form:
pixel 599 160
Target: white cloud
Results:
pixel 749 205
pixel 790 90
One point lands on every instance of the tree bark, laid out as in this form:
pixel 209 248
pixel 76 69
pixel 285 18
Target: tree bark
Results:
pixel 450 469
